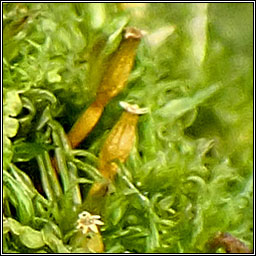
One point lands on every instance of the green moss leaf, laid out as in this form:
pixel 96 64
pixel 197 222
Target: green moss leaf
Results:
pixel 52 240
pixel 31 238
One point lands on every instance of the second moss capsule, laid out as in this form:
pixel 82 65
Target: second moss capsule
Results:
pixel 117 146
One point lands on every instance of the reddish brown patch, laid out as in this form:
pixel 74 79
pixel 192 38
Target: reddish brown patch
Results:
pixel 230 243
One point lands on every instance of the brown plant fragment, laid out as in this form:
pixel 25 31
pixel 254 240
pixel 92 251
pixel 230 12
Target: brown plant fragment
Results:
pixel 230 243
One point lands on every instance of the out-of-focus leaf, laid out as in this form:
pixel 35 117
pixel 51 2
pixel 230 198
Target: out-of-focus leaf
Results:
pixel 25 151
pixel 40 95
pixel 7 152
pixel 118 248
pixel 178 107
pixel 166 202
pixel 31 238
pixel 6 226
pixel 12 103
pixel 115 38
pixel 24 205
pixel 52 241
pixel 153 239
pixel 11 126
pixel 27 104
pixel 118 210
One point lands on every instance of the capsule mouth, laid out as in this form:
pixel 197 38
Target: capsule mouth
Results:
pixel 133 108
pixel 132 32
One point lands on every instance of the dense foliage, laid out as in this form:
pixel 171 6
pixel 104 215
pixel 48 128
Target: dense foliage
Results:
pixel 190 173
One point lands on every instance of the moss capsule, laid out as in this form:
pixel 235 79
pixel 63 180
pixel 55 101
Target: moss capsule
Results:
pixel 117 146
pixel 113 81
pixel 119 67
pixel 85 124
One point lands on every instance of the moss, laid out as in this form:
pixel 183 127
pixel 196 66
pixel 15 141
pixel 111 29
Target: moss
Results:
pixel 189 174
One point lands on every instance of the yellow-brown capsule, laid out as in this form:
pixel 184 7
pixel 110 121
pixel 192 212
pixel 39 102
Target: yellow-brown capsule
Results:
pixel 113 81
pixel 120 65
pixel 120 140
pixel 85 124
pixel 117 146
